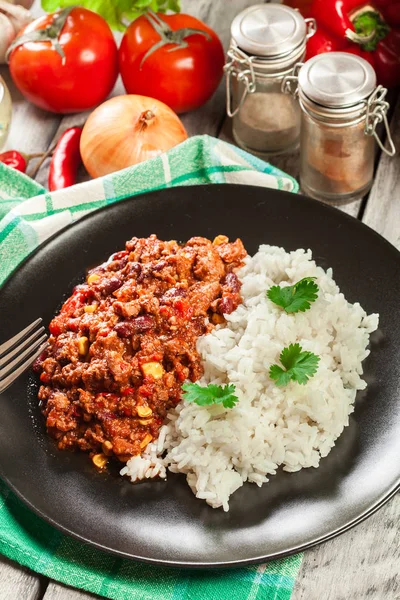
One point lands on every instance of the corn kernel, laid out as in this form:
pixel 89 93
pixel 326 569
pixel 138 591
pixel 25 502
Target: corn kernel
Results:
pixel 93 278
pixel 83 345
pixel 145 421
pixel 146 440
pixel 220 239
pixel 90 308
pixel 217 319
pixel 155 369
pixel 107 448
pixel 99 460
pixel 144 411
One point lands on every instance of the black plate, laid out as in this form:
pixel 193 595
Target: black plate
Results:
pixel 162 522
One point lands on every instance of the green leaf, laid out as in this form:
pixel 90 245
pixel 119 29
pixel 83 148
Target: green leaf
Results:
pixel 280 376
pixel 116 12
pixel 299 365
pixel 212 394
pixel 297 297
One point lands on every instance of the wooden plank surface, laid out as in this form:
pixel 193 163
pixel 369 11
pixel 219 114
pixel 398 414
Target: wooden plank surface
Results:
pixel 363 564
pixel 383 209
pixel 17 583
pixel 57 591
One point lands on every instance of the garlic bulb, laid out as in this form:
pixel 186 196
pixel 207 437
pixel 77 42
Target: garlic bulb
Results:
pixel 12 19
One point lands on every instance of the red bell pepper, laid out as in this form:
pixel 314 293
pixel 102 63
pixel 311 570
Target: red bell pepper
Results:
pixel 369 29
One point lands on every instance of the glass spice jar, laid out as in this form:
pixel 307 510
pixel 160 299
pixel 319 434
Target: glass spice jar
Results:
pixel 267 40
pixel 5 112
pixel 341 108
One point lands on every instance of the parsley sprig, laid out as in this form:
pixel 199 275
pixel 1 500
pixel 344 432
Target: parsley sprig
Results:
pixel 299 365
pixel 212 394
pixel 297 297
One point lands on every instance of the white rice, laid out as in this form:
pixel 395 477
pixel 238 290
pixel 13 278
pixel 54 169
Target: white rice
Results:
pixel 293 426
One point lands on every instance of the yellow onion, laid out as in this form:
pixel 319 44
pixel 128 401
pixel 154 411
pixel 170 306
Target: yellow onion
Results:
pixel 127 130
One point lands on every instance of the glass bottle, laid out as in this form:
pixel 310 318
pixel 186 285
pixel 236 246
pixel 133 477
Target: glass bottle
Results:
pixel 267 41
pixel 341 107
pixel 5 112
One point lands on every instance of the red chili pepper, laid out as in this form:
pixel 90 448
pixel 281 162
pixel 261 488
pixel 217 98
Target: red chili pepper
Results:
pixel 66 160
pixel 45 377
pixel 145 391
pixel 166 312
pixel 119 255
pixel 55 328
pixel 184 309
pixel 75 301
pixel 14 159
pixel 369 29
pixel 128 391
pixel 104 332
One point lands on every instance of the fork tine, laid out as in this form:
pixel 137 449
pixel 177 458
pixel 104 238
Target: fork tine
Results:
pixel 14 340
pixel 11 378
pixel 24 344
pixel 9 367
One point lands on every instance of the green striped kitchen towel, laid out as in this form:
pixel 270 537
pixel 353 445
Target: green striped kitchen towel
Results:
pixel 28 216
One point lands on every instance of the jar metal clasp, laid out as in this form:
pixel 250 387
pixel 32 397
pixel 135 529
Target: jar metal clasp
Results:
pixel 377 109
pixel 290 82
pixel 311 27
pixel 240 66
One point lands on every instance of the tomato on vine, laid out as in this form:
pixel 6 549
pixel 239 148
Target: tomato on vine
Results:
pixel 66 61
pixel 174 58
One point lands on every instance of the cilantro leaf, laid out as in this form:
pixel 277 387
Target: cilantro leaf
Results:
pixel 297 297
pixel 299 365
pixel 212 394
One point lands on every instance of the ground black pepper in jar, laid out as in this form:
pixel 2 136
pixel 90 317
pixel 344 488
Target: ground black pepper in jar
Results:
pixel 267 40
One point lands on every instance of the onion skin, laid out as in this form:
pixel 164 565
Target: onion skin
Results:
pixel 127 130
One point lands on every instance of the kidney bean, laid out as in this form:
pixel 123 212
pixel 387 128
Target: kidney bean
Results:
pixel 226 305
pixel 139 325
pixel 135 268
pixel 108 286
pixel 173 293
pixel 159 266
pixel 124 329
pixel 143 323
pixel 231 283
pixel 37 365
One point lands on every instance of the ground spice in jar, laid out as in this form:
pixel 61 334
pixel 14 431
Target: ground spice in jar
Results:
pixel 267 41
pixel 341 106
pixel 268 121
pixel 339 160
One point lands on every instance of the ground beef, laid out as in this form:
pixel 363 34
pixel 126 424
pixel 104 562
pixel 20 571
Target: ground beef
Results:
pixel 125 340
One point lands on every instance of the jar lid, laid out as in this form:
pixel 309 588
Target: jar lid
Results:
pixel 337 79
pixel 268 30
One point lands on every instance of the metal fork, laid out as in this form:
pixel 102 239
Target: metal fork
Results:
pixel 27 344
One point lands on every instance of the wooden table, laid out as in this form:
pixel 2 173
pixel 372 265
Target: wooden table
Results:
pixel 362 564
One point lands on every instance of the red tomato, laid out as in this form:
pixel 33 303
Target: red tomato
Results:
pixel 83 79
pixel 183 72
